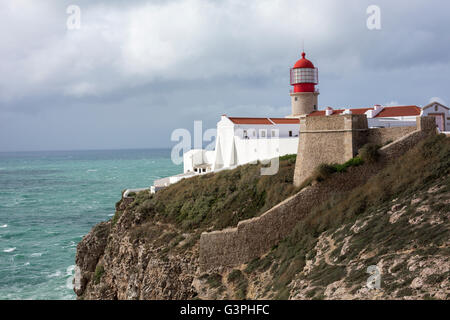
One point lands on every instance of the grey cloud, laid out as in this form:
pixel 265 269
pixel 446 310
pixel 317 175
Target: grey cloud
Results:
pixel 152 66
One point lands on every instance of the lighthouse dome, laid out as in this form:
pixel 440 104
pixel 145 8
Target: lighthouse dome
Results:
pixel 304 63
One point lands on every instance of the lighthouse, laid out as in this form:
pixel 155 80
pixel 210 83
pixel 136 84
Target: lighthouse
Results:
pixel 304 78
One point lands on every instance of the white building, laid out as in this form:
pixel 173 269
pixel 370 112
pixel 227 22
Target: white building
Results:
pixel 245 140
pixel 441 113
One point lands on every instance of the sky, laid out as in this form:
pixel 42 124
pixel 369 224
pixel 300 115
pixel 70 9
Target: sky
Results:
pixel 134 71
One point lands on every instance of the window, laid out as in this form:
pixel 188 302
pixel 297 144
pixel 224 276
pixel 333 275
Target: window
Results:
pixel 262 133
pixel 273 133
pixel 315 107
pixel 296 98
pixel 245 134
pixel 290 133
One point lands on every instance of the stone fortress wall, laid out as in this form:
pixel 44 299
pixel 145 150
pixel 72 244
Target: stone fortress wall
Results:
pixel 343 135
pixel 336 139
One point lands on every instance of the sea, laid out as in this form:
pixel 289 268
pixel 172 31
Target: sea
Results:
pixel 50 200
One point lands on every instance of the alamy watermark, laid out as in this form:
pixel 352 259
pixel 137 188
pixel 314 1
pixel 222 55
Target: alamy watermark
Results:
pixel 74 19
pixel 374 19
pixel 374 280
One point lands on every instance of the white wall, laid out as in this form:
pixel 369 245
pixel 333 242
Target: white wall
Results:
pixel 391 122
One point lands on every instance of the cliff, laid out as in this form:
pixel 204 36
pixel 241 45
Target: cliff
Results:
pixel 397 221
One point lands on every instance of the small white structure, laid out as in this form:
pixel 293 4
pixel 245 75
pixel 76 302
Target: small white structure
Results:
pixel 441 113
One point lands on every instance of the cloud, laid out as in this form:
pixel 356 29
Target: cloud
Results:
pixel 200 58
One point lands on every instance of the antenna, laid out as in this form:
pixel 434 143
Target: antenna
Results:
pixel 303 45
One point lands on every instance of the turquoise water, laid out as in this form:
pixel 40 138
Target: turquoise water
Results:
pixel 50 200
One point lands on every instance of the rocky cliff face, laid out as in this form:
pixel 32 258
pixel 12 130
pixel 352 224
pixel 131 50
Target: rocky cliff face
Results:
pixel 397 224
pixel 113 264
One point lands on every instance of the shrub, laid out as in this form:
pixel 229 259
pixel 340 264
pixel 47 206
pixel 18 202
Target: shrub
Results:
pixel 116 218
pixel 99 271
pixel 353 162
pixel 235 275
pixel 214 280
pixel 369 153
pixel 238 279
pixel 323 171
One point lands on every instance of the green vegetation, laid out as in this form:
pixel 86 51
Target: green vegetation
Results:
pixel 99 271
pixel 238 279
pixel 291 158
pixel 369 153
pixel 416 171
pixel 115 218
pixel 216 201
pixel 324 171
pixel 214 280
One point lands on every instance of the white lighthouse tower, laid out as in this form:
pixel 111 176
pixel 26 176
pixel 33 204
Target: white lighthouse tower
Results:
pixel 304 78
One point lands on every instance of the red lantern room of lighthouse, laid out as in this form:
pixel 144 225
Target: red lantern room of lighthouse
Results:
pixel 304 76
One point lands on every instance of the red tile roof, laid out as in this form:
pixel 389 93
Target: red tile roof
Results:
pixel 267 121
pixel 403 111
pixel 400 111
pixel 285 120
pixel 237 120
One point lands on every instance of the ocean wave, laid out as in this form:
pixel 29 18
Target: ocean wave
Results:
pixel 57 273
pixel 70 273
pixel 36 254
pixel 70 270
pixel 91 170
pixel 4 226
pixel 9 249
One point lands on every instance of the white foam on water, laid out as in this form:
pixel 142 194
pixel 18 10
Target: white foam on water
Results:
pixel 92 170
pixel 70 273
pixel 55 274
pixel 110 215
pixel 36 254
pixel 4 226
pixel 9 249
pixel 69 270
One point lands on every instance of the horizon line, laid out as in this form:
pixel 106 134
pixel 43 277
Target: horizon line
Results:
pixel 88 149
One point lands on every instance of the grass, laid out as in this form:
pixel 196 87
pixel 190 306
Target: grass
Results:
pixel 240 281
pixel 214 280
pixel 369 153
pixel 324 171
pixel 216 201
